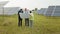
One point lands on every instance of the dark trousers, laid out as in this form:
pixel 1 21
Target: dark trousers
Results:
pixel 26 21
pixel 19 21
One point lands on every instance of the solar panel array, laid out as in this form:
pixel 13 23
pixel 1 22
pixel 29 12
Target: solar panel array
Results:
pixel 1 10
pixel 11 10
pixel 3 3
pixel 41 11
pixel 57 11
pixel 50 11
pixel 1 6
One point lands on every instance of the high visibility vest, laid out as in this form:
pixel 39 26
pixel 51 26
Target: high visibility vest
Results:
pixel 31 16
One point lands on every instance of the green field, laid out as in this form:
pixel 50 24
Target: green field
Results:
pixel 41 25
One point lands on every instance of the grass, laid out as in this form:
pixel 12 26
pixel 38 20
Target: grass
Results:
pixel 41 25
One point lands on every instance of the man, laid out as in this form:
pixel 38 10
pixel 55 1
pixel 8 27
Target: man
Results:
pixel 19 17
pixel 27 17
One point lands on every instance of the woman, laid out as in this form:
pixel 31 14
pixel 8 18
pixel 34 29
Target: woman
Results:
pixel 31 19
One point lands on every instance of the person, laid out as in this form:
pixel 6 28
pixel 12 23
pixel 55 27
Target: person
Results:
pixel 19 17
pixel 27 17
pixel 31 18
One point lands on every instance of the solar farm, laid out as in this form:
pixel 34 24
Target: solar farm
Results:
pixel 46 21
pixel 50 11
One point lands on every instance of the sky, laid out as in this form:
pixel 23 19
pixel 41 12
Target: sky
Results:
pixel 31 4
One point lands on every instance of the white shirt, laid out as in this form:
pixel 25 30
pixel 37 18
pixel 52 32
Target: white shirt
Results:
pixel 25 14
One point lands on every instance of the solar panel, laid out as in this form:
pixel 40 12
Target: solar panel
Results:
pixel 38 12
pixel 3 3
pixel 1 10
pixel 57 11
pixel 42 10
pixel 11 10
pixel 49 10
